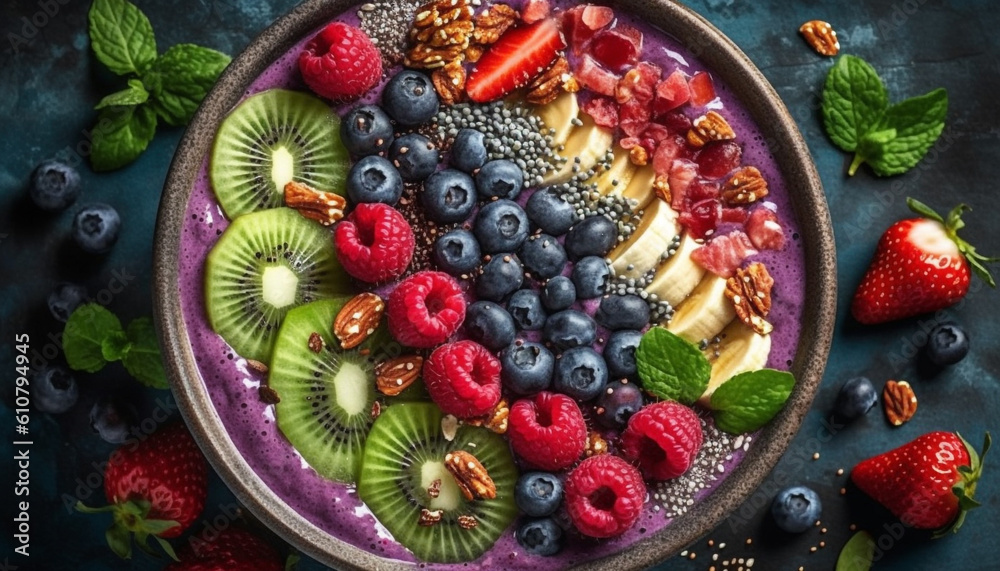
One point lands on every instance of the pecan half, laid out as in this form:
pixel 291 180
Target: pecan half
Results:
pixel 547 86
pixel 899 401
pixel 495 421
pixel 821 37
pixel 395 375
pixel 710 127
pixel 492 22
pixel 358 319
pixel 470 475
pixel 467 521
pixel 429 517
pixel 746 186
pixel 750 293
pixel 449 82
pixel 323 207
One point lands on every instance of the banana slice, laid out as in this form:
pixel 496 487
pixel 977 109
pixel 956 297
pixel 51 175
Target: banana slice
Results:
pixel 558 115
pixel 640 186
pixel 742 349
pixel 679 275
pixel 588 143
pixel 642 251
pixel 704 313
pixel 618 174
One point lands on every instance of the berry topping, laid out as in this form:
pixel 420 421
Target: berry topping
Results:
pixel 366 130
pixel 449 196
pixel 618 47
pixel 457 252
pixel 527 367
pixel 559 293
pixel 468 152
pixel 664 437
pixel 724 254
pixel 517 57
pixel 580 373
pixel 499 179
pixel 947 344
pixel 374 243
pixel 856 397
pixel 489 324
pixel 95 228
pixel 501 226
pixel 547 431
pixel 425 309
pixel 570 328
pixel 617 403
pixel 619 353
pixel 604 496
pixel 410 99
pixel 54 186
pixel 548 211
pixel 525 306
pixel 590 276
pixel 415 156
pixel 374 179
pixel 671 92
pixel 340 63
pixel 622 312
pixel 764 230
pixel 719 158
pixel 463 378
pixel 540 536
pixel 702 89
pixel 538 494
pixel 796 509
pixel 543 256
pixel 501 276
pixel 581 23
pixel 594 236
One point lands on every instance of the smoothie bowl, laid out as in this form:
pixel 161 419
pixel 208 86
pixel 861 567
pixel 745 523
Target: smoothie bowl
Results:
pixel 521 284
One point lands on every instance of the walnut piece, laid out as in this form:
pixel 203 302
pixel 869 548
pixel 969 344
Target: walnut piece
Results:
pixel 547 86
pixel 750 293
pixel 449 82
pixel 440 34
pixel 495 421
pixel 492 22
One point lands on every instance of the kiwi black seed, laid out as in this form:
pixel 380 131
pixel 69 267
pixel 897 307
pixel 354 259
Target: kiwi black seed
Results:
pixel 264 264
pixel 270 139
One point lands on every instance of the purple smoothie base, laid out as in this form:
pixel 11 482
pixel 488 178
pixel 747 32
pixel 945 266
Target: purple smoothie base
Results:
pixel 336 508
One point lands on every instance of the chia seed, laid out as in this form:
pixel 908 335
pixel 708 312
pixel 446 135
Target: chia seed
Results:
pixel 387 24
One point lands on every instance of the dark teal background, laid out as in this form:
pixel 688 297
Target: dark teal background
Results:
pixel 50 81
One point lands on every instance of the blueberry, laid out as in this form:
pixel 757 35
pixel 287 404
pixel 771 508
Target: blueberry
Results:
pixel 594 236
pixel 580 373
pixel 448 196
pixel 540 536
pixel 366 130
pixel 457 252
pixel 526 367
pixel 66 298
pixel 947 344
pixel 558 293
pixel 501 226
pixel 414 155
pixel 622 312
pixel 570 328
pixel 856 397
pixel 796 509
pixel 112 419
pixel 54 186
pixel 374 179
pixel 468 152
pixel 525 306
pixel 501 276
pixel 548 211
pixel 590 276
pixel 619 352
pixel 543 256
pixel 54 390
pixel 619 401
pixel 538 494
pixel 95 228
pixel 489 325
pixel 409 98
pixel 499 179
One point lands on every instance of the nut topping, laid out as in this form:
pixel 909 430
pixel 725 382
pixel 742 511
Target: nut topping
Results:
pixel 821 37
pixel 596 444
pixel 376 409
pixel 315 342
pixel 745 187
pixel 358 319
pixel 395 375
pixel 323 207
pixel 268 395
pixel 470 475
pixel 429 517
pixel 257 365
pixel 495 421
pixel 449 82
pixel 661 186
pixel 750 293
pixel 467 521
pixel 434 490
pixel 900 402
pixel 553 81
pixel 710 127
pixel 440 34
pixel 638 155
pixel 492 23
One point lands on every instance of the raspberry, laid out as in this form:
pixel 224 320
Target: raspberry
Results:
pixel 547 431
pixel 374 243
pixel 664 437
pixel 425 309
pixel 340 63
pixel 604 496
pixel 463 378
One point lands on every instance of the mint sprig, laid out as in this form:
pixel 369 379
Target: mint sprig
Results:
pixel 671 367
pixel 169 87
pixel 93 337
pixel 892 139
pixel 750 400
pixel 857 553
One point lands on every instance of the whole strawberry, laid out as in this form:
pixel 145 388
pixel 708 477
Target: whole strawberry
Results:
pixel 232 548
pixel 927 483
pixel 155 488
pixel 920 265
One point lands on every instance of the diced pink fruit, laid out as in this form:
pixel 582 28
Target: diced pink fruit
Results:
pixel 603 110
pixel 580 23
pixel 672 92
pixel 668 150
pixel 535 10
pixel 764 229
pixel 724 254
pixel 628 142
pixel 676 121
pixel 702 89
pixel 591 75
pixel 682 172
pixel 701 189
pixel 618 47
pixel 702 218
pixel 638 83
pixel 634 117
pixel 735 215
pixel 656 132
pixel 719 158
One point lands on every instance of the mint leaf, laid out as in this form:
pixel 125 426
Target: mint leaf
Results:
pixel 857 553
pixel 905 133
pixel 180 79
pixel 121 36
pixel 114 346
pixel 670 367
pixel 143 360
pixel 134 94
pixel 854 99
pixel 749 400
pixel 84 335
pixel 121 135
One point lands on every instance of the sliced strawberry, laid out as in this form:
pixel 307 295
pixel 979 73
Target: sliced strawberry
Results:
pixel 702 217
pixel 672 92
pixel 724 254
pixel 682 172
pixel 594 77
pixel 719 158
pixel 581 23
pixel 702 89
pixel 603 110
pixel 634 117
pixel 535 10
pixel 617 48
pixel 764 229
pixel 514 60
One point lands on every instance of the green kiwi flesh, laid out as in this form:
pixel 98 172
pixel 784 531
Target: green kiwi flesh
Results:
pixel 404 454
pixel 264 264
pixel 272 138
pixel 325 410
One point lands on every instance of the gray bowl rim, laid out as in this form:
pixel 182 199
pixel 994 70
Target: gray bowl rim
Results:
pixel 726 61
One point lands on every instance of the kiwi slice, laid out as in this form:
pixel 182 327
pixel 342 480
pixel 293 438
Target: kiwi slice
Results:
pixel 405 454
pixel 264 264
pixel 326 397
pixel 270 139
